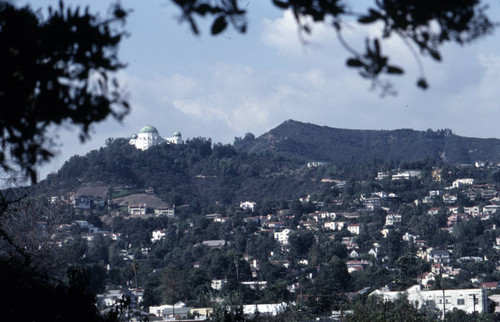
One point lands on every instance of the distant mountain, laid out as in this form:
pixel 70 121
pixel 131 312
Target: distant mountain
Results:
pixel 321 143
pixel 272 166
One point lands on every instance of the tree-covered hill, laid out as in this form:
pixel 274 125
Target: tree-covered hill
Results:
pixel 273 166
pixel 197 170
pixel 321 143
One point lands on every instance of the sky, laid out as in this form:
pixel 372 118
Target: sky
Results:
pixel 225 86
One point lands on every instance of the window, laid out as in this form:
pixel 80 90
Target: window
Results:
pixel 430 302
pixel 460 301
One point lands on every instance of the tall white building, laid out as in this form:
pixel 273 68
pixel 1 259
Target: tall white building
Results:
pixel 149 136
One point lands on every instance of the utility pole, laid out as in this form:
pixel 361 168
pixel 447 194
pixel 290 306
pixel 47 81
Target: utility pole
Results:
pixel 444 306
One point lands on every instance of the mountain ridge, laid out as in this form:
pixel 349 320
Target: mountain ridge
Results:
pixel 274 165
pixel 322 143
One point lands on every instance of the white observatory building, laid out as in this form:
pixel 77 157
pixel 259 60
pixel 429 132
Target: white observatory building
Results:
pixel 149 136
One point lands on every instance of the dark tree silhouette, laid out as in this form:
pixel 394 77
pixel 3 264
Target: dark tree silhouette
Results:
pixel 424 26
pixel 55 71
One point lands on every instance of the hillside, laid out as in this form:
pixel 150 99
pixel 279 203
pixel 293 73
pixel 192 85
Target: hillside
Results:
pixel 272 166
pixel 197 171
pixel 320 143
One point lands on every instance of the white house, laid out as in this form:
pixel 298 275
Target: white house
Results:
pixel 169 312
pixel 164 211
pixel 264 309
pixel 158 234
pixel 462 182
pixel 434 193
pixel 490 209
pixel 137 209
pixel 434 211
pixel 392 219
pixel 247 205
pixel 468 300
pixel 355 229
pixel 255 285
pixel 473 211
pixel 322 215
pixel 217 243
pixel 334 225
pixel 382 175
pixel 438 256
pixel 283 236
pixel 407 175
pixel 217 284
pixel 449 198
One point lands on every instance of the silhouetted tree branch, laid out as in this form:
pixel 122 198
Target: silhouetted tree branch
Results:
pixel 425 24
pixel 55 70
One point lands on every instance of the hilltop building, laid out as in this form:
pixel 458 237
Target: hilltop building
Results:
pixel 149 136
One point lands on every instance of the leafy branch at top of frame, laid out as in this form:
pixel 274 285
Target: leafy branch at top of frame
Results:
pixel 422 24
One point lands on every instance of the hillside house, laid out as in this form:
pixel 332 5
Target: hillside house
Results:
pixel 217 284
pixel 488 194
pixel 323 215
pixel 213 216
pixel 471 195
pixel 456 218
pixel 113 297
pixel 434 211
pixel 393 219
pixel 264 309
pixel 382 175
pixel 491 209
pixel 283 237
pixel 473 211
pixel 437 175
pixel 164 211
pixel 247 205
pixel 372 202
pixel 355 229
pixel 435 193
pixel 82 203
pixel 426 278
pixel 438 256
pixel 171 312
pixel 407 237
pixel 157 235
pixel 449 198
pixel 214 243
pixel 255 285
pixel 334 225
pixel 468 300
pixel 140 209
pixel 407 175
pixel 221 220
pixel 459 183
pixel 356 265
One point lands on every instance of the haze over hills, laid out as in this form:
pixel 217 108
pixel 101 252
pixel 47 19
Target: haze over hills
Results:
pixel 322 143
